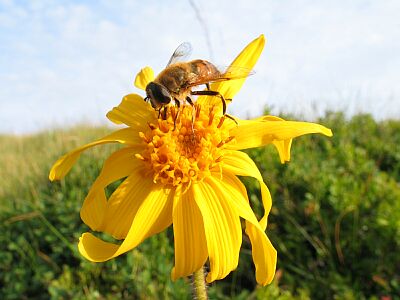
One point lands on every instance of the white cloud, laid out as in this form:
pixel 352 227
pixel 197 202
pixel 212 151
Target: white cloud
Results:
pixel 62 62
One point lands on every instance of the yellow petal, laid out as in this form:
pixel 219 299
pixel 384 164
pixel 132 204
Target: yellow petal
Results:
pixel 132 111
pixel 264 254
pixel 235 194
pixel 239 163
pixel 247 60
pixel 125 202
pixel 222 229
pixel 62 166
pixel 147 221
pixel 145 76
pixel 257 133
pixel 283 146
pixel 189 236
pixel 120 164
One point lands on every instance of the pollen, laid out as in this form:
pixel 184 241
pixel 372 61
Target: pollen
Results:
pixel 185 150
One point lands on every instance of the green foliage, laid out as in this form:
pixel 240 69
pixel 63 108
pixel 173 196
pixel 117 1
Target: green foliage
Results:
pixel 336 210
pixel 335 221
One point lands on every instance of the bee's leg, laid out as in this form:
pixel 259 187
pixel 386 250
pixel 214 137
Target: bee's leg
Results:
pixel 178 104
pixel 208 86
pixel 212 93
pixel 165 113
pixel 159 113
pixel 189 100
pixel 232 118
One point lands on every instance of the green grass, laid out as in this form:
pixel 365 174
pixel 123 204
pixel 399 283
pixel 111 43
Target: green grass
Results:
pixel 335 221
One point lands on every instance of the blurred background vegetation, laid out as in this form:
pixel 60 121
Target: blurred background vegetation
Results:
pixel 335 221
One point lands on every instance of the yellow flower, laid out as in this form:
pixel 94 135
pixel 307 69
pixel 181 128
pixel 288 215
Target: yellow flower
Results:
pixel 186 177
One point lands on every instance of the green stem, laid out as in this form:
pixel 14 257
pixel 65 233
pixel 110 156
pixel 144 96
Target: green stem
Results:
pixel 199 285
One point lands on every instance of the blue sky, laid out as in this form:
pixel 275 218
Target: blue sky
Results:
pixel 63 62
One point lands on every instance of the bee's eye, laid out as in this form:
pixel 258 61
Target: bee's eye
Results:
pixel 158 94
pixel 165 93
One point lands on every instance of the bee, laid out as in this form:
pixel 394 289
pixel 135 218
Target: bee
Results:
pixel 176 82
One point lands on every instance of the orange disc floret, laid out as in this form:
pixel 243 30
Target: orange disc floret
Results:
pixel 184 149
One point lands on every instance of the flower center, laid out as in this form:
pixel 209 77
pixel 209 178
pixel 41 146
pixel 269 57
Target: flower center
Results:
pixel 184 149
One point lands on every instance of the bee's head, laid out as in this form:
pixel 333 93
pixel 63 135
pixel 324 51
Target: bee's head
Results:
pixel 157 94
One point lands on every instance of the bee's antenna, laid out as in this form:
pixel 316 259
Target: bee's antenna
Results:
pixel 146 99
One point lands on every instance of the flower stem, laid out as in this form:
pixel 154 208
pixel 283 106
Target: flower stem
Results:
pixel 199 285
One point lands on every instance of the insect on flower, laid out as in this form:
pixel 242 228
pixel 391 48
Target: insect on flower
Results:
pixel 176 82
pixel 182 170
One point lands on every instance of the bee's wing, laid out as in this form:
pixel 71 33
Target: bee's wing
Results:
pixel 181 53
pixel 231 73
pixel 235 72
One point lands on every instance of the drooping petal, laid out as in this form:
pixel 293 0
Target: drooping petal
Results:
pixel 132 111
pixel 246 60
pixel 257 133
pixel 151 217
pixel 120 164
pixel 145 76
pixel 222 229
pixel 264 254
pixel 283 146
pixel 189 236
pixel 239 163
pixel 62 166
pixel 125 202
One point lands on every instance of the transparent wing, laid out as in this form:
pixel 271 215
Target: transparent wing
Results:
pixel 230 73
pixel 181 53
pixel 235 72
